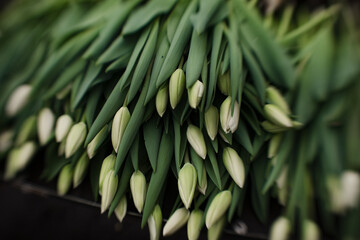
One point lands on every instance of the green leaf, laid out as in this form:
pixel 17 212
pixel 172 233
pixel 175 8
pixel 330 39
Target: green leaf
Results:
pixel 92 104
pixel 134 153
pixel 214 164
pixel 196 58
pixel 174 18
pixel 152 137
pixel 177 46
pixel 143 15
pixel 242 137
pixel 180 142
pixel 198 163
pixel 119 47
pixel 207 9
pixel 158 177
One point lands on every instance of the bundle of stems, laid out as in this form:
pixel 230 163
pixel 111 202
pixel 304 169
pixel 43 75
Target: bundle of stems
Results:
pixel 229 98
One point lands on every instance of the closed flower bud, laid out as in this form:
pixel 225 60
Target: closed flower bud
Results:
pixel 27 130
pixel 272 128
pixel 350 188
pixel 223 83
pixel 65 179
pixel 187 184
pixel 61 149
pixel 234 165
pixel 75 139
pixel 80 170
pixel 196 140
pixel 311 231
pixel 176 87
pixel 212 122
pixel 45 125
pixel 6 140
pixel 121 209
pixel 176 221
pixel 280 229
pixel 218 207
pixel 154 223
pixel 107 165
pixel 195 224
pixel 214 232
pixel 274 145
pixel 93 146
pixel 17 100
pixel 195 93
pixel 162 98
pixel 229 120
pixel 202 185
pixel 119 124
pixel 109 190
pixel 19 158
pixel 138 189
pixel 62 128
pixel 275 97
pixel 275 115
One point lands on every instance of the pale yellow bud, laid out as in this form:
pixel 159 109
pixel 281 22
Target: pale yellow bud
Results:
pixel 119 124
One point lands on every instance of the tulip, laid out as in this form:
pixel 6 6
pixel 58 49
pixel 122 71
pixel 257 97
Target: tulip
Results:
pixel 275 115
pixel 195 93
pixel 6 140
pixel 176 221
pixel 224 84
pixel 45 125
pixel 176 87
pixel 218 207
pixel 280 229
pixel 93 146
pixel 214 232
pixel 119 124
pixel 80 170
pixel 187 183
pixel 275 97
pixel 107 165
pixel 311 231
pixel 75 139
pixel 17 100
pixel 350 188
pixel 195 224
pixel 138 189
pixel 109 190
pixel 27 130
pixel 234 165
pixel 212 122
pixel 229 119
pixel 154 223
pixel 272 128
pixel 63 125
pixel 202 186
pixel 162 98
pixel 121 209
pixel 274 145
pixel 196 140
pixel 64 180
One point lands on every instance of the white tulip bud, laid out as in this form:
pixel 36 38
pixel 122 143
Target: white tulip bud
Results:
pixel 176 221
pixel 202 184
pixel 272 128
pixel 229 120
pixel 45 125
pixel 75 139
pixel 275 97
pixel 311 231
pixel 212 122
pixel 214 232
pixel 187 183
pixel 195 93
pixel 280 229
pixel 121 209
pixel 234 165
pixel 350 188
pixel 63 125
pixel 6 140
pixel 119 124
pixel 274 145
pixel 224 83
pixel 196 140
pixel 80 170
pixel 93 146
pixel 274 114
pixel 110 185
pixel 218 207
pixel 17 100
pixel 195 224
pixel 154 223
pixel 138 189
pixel 162 98
pixel 107 165
pixel 176 87
pixel 65 179
pixel 27 130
